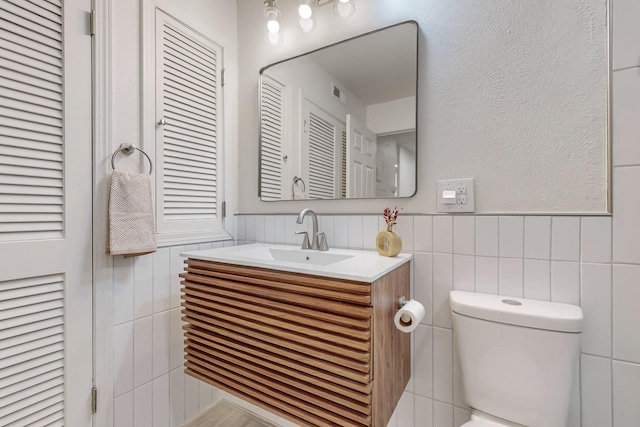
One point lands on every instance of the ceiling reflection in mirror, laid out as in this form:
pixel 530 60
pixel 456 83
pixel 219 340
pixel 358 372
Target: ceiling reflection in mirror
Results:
pixel 340 122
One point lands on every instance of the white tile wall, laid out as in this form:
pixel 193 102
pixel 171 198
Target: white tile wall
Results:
pixel 596 391
pixel 511 236
pixel 537 237
pixel 487 235
pixel 537 279
pixel 596 306
pixel 150 387
pixel 626 33
pixel 626 316
pixel 626 394
pixel 626 221
pixel 565 276
pixel 592 261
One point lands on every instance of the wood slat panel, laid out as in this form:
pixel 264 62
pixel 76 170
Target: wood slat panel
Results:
pixel 288 322
pixel 358 382
pixel 287 333
pixel 292 289
pixel 283 365
pixel 344 286
pixel 290 284
pixel 252 387
pixel 344 359
pixel 352 327
pixel 293 386
pixel 281 295
pixel 336 365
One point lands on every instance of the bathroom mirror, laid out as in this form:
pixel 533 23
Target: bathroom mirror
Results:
pixel 340 122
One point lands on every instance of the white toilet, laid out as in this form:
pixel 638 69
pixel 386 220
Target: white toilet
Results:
pixel 518 358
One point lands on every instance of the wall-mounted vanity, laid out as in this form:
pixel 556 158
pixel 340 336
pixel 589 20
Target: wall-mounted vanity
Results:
pixel 307 335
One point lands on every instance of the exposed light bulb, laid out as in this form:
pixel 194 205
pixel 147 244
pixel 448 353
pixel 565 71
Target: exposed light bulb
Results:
pixel 304 11
pixel 344 8
pixel 273 26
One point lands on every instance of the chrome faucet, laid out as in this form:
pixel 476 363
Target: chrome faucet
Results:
pixel 318 240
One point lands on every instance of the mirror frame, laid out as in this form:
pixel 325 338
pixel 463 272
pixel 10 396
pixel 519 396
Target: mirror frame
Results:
pixel 417 82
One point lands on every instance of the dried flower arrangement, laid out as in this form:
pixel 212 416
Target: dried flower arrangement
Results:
pixel 390 217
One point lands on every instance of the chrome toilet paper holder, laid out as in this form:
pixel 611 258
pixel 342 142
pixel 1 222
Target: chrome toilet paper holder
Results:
pixel 402 301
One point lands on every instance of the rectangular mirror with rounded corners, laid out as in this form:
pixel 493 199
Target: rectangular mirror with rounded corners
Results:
pixel 340 122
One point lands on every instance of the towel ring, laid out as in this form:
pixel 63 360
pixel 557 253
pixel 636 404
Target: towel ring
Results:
pixel 295 181
pixel 129 149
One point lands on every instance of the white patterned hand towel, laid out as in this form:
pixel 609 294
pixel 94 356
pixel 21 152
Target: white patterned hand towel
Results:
pixel 130 220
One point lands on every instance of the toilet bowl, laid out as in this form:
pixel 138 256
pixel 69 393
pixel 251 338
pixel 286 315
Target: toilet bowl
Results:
pixel 518 358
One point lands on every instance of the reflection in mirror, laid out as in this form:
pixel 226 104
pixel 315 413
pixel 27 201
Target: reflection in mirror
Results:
pixel 340 122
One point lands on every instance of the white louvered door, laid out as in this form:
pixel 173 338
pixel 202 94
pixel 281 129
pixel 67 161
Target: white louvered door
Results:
pixel 188 148
pixel 45 213
pixel 272 124
pixel 321 152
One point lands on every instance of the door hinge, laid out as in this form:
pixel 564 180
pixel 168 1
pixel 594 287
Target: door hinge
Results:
pixel 224 209
pixel 92 23
pixel 222 77
pixel 94 400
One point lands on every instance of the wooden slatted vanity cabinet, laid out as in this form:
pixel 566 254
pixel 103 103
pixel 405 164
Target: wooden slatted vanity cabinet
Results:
pixel 316 350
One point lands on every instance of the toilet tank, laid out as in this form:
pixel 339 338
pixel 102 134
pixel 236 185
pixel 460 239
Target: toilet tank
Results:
pixel 518 356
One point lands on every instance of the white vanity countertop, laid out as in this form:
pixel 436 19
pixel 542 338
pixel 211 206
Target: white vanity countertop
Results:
pixel 362 266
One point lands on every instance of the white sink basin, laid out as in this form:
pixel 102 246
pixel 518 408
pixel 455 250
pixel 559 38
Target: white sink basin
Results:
pixel 307 256
pixel 338 263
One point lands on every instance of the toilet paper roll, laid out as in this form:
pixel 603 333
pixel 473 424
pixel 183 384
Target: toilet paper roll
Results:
pixel 409 316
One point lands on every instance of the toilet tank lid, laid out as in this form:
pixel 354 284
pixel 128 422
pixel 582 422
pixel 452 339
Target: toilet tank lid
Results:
pixel 551 316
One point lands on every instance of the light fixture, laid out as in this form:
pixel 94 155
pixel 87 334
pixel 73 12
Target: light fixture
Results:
pixel 272 14
pixel 344 8
pixel 305 21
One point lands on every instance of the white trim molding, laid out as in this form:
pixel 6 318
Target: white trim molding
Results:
pixel 102 263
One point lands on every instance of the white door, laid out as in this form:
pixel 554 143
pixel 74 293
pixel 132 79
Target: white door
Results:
pixel 45 213
pixel 361 159
pixel 321 152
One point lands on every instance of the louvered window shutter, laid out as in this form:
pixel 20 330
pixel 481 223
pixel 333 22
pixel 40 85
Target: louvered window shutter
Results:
pixel 188 146
pixel 271 139
pixel 31 138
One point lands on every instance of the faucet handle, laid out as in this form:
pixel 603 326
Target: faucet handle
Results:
pixel 321 243
pixel 305 241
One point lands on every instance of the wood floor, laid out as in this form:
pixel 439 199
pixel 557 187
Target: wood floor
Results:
pixel 225 414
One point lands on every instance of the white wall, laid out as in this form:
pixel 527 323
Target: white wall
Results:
pixel 394 116
pixel 515 92
pixel 594 261
pixel 585 260
pixel 141 296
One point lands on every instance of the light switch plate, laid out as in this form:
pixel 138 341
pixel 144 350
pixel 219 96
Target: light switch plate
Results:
pixel 465 200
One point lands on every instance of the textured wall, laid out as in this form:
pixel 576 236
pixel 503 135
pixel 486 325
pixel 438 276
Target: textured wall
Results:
pixel 513 94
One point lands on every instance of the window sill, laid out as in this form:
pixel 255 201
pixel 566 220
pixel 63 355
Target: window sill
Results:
pixel 165 240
